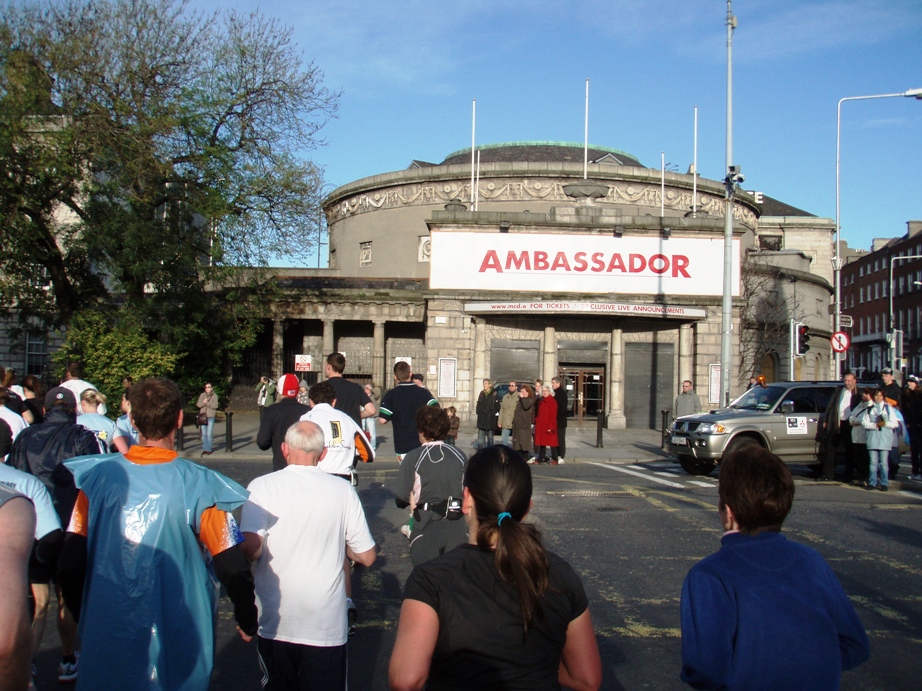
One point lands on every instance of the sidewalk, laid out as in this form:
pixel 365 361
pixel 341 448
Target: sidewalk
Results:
pixel 619 446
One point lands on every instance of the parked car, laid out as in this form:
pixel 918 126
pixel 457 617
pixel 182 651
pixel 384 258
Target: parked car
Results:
pixel 784 417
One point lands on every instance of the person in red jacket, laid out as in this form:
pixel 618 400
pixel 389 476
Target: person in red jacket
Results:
pixel 546 427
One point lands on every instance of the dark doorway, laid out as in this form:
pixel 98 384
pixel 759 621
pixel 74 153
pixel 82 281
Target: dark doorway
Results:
pixel 585 392
pixel 649 383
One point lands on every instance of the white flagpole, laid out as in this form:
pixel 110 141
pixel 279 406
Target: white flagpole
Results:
pixel 662 184
pixel 695 170
pixel 473 132
pixel 586 137
pixel 477 195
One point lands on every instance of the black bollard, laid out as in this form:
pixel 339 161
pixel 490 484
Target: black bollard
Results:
pixel 180 439
pixel 229 432
pixel 598 431
pixel 665 413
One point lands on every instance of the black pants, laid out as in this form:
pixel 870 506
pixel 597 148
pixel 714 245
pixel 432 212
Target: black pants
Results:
pixel 293 667
pixel 553 450
pixel 915 447
pixel 561 440
pixel 862 462
pixel 845 439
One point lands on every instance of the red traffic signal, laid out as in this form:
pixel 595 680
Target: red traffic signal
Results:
pixel 803 333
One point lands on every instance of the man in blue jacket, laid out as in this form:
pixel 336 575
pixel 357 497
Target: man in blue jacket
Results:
pixel 764 612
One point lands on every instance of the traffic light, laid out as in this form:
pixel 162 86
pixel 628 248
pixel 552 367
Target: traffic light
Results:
pixel 803 335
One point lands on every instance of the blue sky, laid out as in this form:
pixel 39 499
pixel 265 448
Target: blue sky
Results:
pixel 409 70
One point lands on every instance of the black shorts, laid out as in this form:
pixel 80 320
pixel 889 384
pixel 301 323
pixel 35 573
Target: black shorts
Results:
pixel 290 666
pixel 39 572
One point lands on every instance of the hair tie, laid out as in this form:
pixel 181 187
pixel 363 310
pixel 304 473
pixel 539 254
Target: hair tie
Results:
pixel 504 514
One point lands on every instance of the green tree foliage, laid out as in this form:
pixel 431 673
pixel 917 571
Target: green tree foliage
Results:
pixel 147 152
pixel 109 353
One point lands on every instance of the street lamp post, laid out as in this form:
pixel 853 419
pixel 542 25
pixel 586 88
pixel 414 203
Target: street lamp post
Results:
pixel 893 339
pixel 837 262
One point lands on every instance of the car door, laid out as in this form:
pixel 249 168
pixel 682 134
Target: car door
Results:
pixel 795 431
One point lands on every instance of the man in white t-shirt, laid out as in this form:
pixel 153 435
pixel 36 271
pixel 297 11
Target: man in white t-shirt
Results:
pixel 344 440
pixel 297 524
pixel 73 380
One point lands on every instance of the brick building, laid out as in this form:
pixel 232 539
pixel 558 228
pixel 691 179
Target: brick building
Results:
pixel 891 273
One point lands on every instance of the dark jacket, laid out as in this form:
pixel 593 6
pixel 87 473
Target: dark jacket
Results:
pixel 827 432
pixel 522 419
pixel 275 423
pixel 912 407
pixel 41 449
pixel 486 410
pixel 560 395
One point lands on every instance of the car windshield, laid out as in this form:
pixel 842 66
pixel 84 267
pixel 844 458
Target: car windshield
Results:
pixel 759 398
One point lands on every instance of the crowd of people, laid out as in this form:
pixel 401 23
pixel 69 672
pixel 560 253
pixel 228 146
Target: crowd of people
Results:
pixel 867 424
pixel 131 536
pixel 531 419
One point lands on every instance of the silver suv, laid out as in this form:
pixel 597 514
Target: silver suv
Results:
pixel 784 417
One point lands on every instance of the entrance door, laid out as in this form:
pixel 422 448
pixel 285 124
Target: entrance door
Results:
pixel 585 392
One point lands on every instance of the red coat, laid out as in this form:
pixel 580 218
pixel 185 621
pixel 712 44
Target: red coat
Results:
pixel 546 422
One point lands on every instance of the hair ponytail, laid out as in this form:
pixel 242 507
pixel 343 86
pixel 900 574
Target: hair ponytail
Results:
pixel 500 482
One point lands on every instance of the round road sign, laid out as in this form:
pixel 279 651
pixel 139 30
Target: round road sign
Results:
pixel 840 341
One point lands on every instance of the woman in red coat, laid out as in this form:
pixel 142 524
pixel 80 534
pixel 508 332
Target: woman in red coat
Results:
pixel 546 427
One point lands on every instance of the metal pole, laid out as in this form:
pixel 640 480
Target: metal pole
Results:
pixel 473 133
pixel 892 316
pixel 662 184
pixel 586 137
pixel 695 170
pixel 229 431
pixel 725 324
pixel 837 261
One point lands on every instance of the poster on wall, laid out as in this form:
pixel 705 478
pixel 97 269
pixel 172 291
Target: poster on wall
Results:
pixel 448 376
pixel 714 384
pixel 650 265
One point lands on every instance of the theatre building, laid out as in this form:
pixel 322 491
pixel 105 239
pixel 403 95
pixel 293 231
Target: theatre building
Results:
pixel 612 279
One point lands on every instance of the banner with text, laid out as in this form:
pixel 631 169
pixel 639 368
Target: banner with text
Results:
pixel 580 263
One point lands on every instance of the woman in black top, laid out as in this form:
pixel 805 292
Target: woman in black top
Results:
pixel 499 612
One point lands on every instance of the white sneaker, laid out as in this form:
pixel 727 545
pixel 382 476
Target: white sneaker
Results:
pixel 561 461
pixel 67 671
pixel 405 529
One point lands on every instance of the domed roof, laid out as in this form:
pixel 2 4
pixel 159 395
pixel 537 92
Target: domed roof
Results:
pixel 542 152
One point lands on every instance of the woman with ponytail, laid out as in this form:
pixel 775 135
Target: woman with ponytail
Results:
pixel 500 612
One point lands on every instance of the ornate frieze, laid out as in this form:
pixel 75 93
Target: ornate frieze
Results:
pixel 620 193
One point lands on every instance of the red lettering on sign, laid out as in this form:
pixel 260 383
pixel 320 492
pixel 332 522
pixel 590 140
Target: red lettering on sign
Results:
pixel 541 261
pixel 581 264
pixel 663 262
pixel 616 263
pixel 597 263
pixel 560 262
pixel 490 261
pixel 517 262
pixel 679 264
pixel 638 263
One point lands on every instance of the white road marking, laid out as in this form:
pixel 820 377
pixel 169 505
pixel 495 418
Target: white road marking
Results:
pixel 645 476
pixel 702 484
pixel 666 474
pixel 914 495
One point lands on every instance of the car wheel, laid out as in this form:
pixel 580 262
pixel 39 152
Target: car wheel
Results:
pixel 697 466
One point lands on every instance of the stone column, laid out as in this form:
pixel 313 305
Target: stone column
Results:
pixel 549 363
pixel 480 354
pixel 328 341
pixel 278 362
pixel 616 418
pixel 686 357
pixel 378 374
